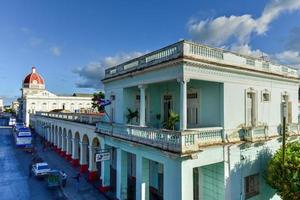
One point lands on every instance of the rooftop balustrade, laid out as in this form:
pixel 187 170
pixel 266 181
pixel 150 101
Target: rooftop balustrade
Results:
pixel 187 49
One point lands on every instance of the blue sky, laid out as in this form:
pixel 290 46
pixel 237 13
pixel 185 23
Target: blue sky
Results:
pixel 71 42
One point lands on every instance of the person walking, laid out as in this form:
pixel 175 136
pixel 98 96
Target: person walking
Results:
pixel 64 179
pixel 77 178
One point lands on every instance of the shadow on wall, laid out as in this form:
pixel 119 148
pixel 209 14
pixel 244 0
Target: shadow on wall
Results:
pixel 250 161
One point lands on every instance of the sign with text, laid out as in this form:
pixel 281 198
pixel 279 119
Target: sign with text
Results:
pixel 102 156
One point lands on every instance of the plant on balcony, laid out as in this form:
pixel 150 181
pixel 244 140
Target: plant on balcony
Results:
pixel 285 177
pixel 131 115
pixel 171 121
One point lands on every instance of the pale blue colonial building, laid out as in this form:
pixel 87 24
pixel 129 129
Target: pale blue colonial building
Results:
pixel 230 109
pixel 226 102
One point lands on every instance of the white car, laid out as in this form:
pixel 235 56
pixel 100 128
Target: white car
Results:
pixel 40 169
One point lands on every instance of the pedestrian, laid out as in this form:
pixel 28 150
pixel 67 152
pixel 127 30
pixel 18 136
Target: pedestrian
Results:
pixel 64 179
pixel 77 178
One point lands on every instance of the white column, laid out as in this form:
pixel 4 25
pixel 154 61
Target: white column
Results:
pixel 119 168
pixel 121 189
pixel 142 178
pixel 69 146
pixel 54 138
pixel 75 148
pixel 142 105
pixel 172 179
pixel 92 163
pixel 105 168
pixel 186 179
pixel 83 153
pixel 64 146
pixel 183 103
pixel 227 179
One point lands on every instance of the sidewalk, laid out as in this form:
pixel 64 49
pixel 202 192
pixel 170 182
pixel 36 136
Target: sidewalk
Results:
pixel 55 161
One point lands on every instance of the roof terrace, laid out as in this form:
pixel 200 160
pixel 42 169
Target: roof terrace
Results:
pixel 190 50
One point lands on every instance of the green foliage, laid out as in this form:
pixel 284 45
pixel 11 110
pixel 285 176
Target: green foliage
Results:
pixel 10 110
pixel 95 101
pixel 171 121
pixel 285 177
pixel 131 115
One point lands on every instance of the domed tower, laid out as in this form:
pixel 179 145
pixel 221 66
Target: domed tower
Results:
pixel 33 83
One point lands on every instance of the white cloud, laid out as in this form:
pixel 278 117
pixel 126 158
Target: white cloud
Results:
pixel 222 29
pixel 239 29
pixel 92 74
pixel 289 57
pixel 247 50
pixel 273 9
pixel 56 51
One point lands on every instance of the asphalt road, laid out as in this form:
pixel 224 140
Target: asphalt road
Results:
pixel 16 185
pixel 14 181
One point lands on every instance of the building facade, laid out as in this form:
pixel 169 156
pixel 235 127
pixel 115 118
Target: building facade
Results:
pixel 35 97
pixel 230 109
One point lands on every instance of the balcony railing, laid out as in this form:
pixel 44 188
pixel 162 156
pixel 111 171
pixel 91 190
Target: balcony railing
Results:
pixel 256 133
pixel 175 141
pixel 193 50
pixel 91 119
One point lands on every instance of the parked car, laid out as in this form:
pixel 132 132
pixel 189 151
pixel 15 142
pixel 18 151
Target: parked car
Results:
pixel 56 178
pixel 40 169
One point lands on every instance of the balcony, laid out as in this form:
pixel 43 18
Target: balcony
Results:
pixel 256 133
pixel 174 141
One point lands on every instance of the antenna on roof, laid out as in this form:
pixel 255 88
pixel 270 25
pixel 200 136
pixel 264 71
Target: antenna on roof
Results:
pixel 264 57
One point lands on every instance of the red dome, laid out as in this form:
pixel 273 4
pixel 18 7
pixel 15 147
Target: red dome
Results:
pixel 34 78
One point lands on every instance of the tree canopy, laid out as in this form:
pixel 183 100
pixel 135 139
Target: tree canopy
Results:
pixel 95 101
pixel 285 177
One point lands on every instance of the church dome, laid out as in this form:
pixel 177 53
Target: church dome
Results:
pixel 33 80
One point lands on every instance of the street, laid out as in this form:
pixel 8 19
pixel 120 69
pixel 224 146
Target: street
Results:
pixel 16 184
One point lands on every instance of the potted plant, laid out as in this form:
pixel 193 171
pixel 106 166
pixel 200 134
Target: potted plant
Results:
pixel 171 121
pixel 131 115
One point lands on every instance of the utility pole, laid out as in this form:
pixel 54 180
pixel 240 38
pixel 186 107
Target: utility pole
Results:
pixel 285 109
pixel 283 140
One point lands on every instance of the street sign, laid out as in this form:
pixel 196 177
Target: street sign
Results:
pixel 102 156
